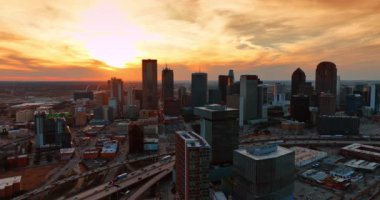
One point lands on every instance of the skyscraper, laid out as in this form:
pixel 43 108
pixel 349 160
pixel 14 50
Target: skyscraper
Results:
pixel 249 98
pixel 263 172
pixel 192 166
pixel 231 75
pixel 300 108
pixel 220 128
pixel 167 84
pixel 326 78
pixel 327 104
pixel 51 130
pixel 298 79
pixel 224 82
pixel 199 89
pixel 117 93
pixel 149 79
pixel 375 98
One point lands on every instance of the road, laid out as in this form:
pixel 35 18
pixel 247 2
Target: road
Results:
pixel 105 190
pixel 75 177
pixel 149 184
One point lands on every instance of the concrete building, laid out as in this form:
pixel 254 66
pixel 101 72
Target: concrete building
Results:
pixel 250 104
pixel 199 89
pixel 172 107
pixel 338 125
pixel 305 156
pixel 149 89
pixel 361 151
pixel 220 128
pixel 326 78
pixel 263 172
pixel 167 84
pixel 24 115
pixel 9 187
pixel 192 166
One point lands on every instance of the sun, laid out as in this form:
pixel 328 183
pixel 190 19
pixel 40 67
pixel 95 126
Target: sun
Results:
pixel 114 49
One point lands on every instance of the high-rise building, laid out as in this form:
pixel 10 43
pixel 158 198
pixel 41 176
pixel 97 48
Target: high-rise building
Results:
pixel 192 166
pixel 300 108
pixel 135 138
pixel 298 79
pixel 231 75
pixel 149 79
pixel 224 82
pixel 327 104
pixel 220 128
pixel 354 104
pixel 326 78
pixel 130 96
pixel 198 89
pixel 117 93
pixel 375 98
pixel 249 98
pixel 214 96
pixel 167 84
pixel 263 172
pixel 279 94
pixel 172 107
pixel 51 130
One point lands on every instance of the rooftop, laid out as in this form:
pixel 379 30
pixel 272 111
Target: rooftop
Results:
pixel 192 139
pixel 280 151
pixel 9 181
pixel 361 148
pixel 362 164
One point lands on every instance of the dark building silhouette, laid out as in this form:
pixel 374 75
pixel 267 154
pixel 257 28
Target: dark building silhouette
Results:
pixel 338 125
pixel 198 89
pixel 327 104
pixel 167 84
pixel 214 96
pixel 344 91
pixel 300 108
pixel 135 138
pixel 172 107
pixel 83 95
pixel 149 79
pixel 224 82
pixel 139 97
pixel 298 80
pixel 354 104
pixel 220 128
pixel 231 75
pixel 326 78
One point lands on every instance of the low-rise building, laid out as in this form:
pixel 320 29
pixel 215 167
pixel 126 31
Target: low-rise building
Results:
pixel 361 151
pixel 10 186
pixel 304 156
pixel 362 165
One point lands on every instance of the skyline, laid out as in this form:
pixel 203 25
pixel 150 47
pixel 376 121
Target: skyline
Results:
pixel 68 41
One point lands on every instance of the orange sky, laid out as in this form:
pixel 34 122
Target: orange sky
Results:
pixel 97 39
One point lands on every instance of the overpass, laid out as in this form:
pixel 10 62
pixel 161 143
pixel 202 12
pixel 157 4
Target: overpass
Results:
pixel 37 191
pixel 148 184
pixel 105 190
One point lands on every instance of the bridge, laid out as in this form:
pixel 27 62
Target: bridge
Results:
pixel 46 188
pixel 105 190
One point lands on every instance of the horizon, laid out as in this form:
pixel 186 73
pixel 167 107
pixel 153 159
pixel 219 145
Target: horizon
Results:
pixel 55 41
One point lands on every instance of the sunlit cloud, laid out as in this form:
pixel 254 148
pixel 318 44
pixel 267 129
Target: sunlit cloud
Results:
pixel 96 39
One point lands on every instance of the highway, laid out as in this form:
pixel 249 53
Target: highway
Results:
pixel 105 190
pixel 88 173
pixel 148 184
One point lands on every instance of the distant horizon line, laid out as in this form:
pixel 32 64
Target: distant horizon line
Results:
pixel 68 81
